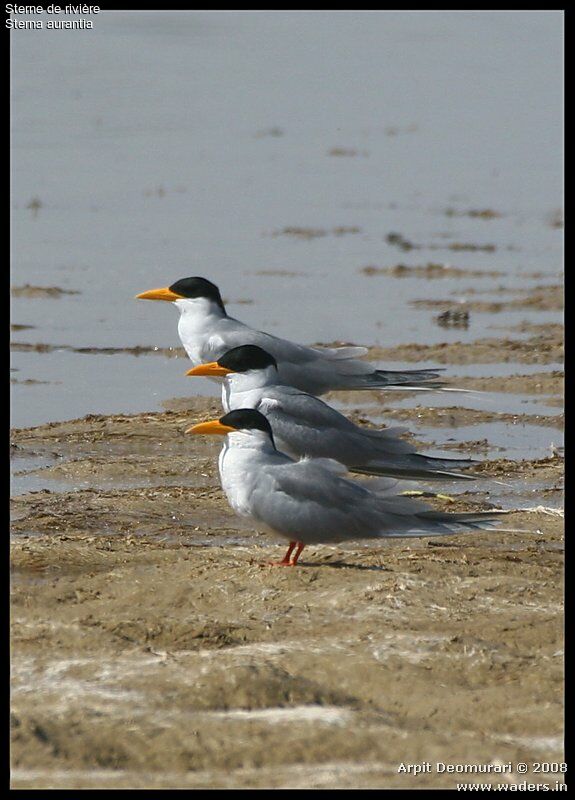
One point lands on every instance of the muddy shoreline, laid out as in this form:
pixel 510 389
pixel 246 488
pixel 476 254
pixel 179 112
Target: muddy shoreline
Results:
pixel 153 646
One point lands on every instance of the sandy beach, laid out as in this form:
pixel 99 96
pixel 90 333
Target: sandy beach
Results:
pixel 169 654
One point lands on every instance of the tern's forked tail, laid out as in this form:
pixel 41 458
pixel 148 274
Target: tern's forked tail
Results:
pixel 439 523
pixel 381 379
pixel 412 473
pixel 416 466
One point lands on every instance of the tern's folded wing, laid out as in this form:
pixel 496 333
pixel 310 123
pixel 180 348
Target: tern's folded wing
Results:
pixel 308 502
pixel 311 427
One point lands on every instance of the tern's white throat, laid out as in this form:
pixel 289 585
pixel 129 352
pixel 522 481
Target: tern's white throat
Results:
pixel 250 439
pixel 200 308
pixel 239 382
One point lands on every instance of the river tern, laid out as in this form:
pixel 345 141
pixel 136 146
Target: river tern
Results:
pixel 304 425
pixel 309 501
pixel 207 332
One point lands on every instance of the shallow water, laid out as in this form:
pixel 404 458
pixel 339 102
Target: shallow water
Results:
pixel 161 145
pixel 495 402
pixel 515 441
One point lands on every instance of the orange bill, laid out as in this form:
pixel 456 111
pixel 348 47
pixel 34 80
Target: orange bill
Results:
pixel 160 294
pixel 213 426
pixel 212 368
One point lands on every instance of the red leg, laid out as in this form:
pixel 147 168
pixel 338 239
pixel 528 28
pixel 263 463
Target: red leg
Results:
pixel 285 562
pixel 300 547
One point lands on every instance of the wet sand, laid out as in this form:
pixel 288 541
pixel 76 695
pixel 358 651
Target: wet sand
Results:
pixel 154 647
pixel 543 347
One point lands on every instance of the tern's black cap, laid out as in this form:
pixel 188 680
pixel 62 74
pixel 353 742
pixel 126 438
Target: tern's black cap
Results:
pixel 247 357
pixel 198 287
pixel 247 419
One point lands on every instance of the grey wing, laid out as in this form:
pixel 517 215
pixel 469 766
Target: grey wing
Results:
pixel 325 363
pixel 314 369
pixel 304 425
pixel 308 501
pixel 230 333
pixel 308 426
pixel 302 354
pixel 233 333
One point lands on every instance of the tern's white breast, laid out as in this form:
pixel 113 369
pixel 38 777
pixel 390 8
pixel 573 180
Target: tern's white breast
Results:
pixel 199 322
pixel 237 474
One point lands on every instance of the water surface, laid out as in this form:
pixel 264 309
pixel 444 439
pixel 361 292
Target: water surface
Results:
pixel 166 144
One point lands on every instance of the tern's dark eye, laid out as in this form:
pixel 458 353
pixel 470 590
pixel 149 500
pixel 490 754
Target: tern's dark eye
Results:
pixel 247 419
pixel 198 287
pixel 247 357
